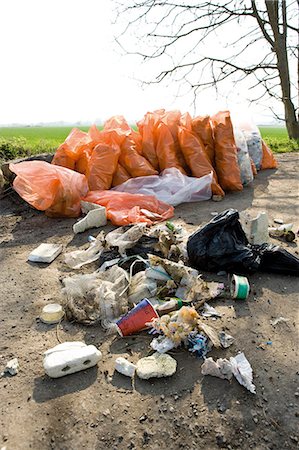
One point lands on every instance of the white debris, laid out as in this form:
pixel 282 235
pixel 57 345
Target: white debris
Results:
pixel 79 258
pixel 156 366
pixel 237 366
pixel 12 367
pixel 45 253
pixel 94 218
pixel 279 221
pixel 242 371
pixel 209 311
pixel 162 344
pixel 221 368
pixel 125 367
pixel 226 340
pixel 278 320
pixel 70 357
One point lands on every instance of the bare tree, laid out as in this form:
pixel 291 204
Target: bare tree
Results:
pixel 252 41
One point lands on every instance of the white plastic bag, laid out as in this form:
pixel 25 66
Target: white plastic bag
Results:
pixel 171 187
pixel 243 157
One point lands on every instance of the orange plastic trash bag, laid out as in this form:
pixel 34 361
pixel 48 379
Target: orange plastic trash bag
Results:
pixel 146 128
pixel 253 168
pixel 134 163
pixel 82 164
pixel 165 149
pixel 194 153
pixel 202 127
pixel 226 159
pixel 124 209
pixel 268 160
pixel 47 187
pixel 120 176
pixel 172 120
pixel 72 148
pixel 102 166
pixel 62 159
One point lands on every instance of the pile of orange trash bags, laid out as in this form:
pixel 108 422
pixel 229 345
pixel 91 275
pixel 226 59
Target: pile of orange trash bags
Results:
pixel 88 164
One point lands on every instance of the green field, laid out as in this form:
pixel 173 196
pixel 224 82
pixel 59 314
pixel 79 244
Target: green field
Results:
pixel 23 141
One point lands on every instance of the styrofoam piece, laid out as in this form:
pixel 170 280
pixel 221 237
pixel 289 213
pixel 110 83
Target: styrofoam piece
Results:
pixel 88 206
pixel 70 357
pixel 156 366
pixel 94 218
pixel 256 228
pixel 12 367
pixel 125 367
pixel 45 253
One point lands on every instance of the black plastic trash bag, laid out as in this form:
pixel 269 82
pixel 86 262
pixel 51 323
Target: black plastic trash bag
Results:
pixel 223 245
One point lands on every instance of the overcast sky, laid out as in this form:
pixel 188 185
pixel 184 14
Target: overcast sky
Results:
pixel 59 62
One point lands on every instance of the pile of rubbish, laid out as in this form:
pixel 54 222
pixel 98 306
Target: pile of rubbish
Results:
pixel 138 176
pixel 148 279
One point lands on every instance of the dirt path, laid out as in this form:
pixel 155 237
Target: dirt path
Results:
pixel 98 409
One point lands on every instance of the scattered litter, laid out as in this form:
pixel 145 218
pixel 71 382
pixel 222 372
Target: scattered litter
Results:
pixel 162 344
pixel 79 258
pixel 279 221
pixel 226 340
pixel 95 218
pixel 239 287
pixel 96 297
pixel 171 305
pixel 125 238
pixel 52 313
pixel 221 368
pixel 12 367
pixel 141 287
pixel 70 357
pixel 278 320
pixel 283 231
pixel 156 366
pixel 125 367
pixel 45 253
pixel 137 318
pixel 256 228
pixel 209 311
pixel 198 344
pixel 237 366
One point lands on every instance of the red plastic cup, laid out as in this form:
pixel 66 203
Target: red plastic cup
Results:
pixel 136 319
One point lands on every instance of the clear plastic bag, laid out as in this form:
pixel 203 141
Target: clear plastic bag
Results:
pixel 171 187
pixel 243 157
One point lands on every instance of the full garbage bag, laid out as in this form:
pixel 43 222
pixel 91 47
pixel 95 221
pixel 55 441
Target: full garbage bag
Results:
pixel 124 209
pixel 243 157
pixel 47 187
pixel 268 160
pixel 134 163
pixel 222 244
pixel 165 148
pixel 254 142
pixel 71 150
pixel 171 187
pixel 194 153
pixel 226 159
pixel 120 175
pixel 172 120
pixel 203 129
pixel 146 128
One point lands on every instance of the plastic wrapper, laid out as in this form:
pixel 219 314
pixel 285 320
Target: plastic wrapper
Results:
pixel 226 159
pixel 243 157
pixel 79 258
pixel 141 287
pixel 268 160
pixel 124 238
pixel 171 187
pixel 222 245
pixel 165 149
pixel 47 187
pixel 134 163
pixel 99 296
pixel 124 209
pixel 194 153
pixel 203 129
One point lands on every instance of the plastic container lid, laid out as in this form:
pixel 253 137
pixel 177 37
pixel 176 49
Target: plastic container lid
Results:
pixel 52 313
